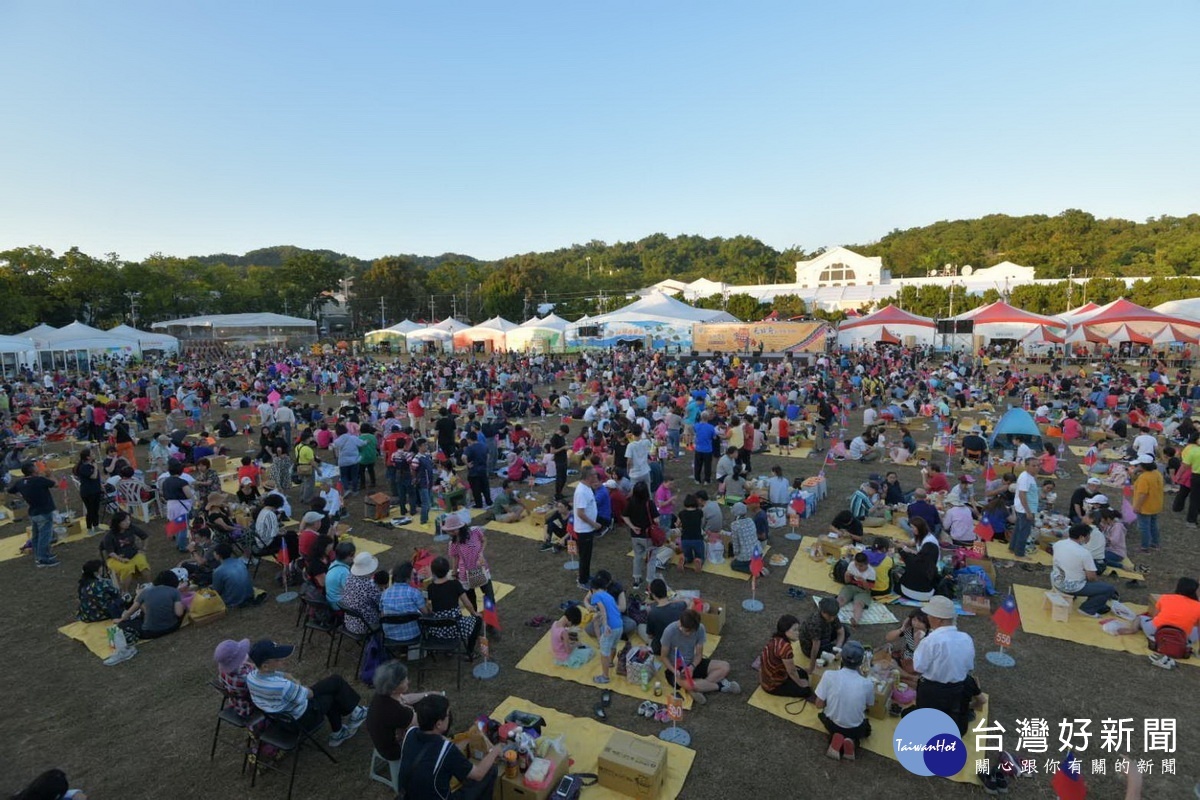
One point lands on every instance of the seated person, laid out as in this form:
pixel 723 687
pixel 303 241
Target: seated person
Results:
pixel 921 508
pixel 1048 463
pixel 231 579
pixel 402 598
pixel 821 631
pixel 846 525
pixel 902 642
pixel 743 540
pixel 201 560
pixel 556 527
pixel 267 538
pixel 1179 609
pixel 429 761
pixel 564 640
pixel 964 490
pixel 866 504
pixel 920 560
pixel 778 673
pixel 275 692
pixel 122 552
pixel 233 665
pixel 390 714
pixel 683 649
pixel 1074 572
pixel 161 606
pixel 756 512
pixel 935 479
pixel 448 599
pixel 247 493
pixel 893 492
pixel 505 508
pixel 99 600
pixel 975 446
pixel 249 469
pixel 843 697
pixel 959 522
pixel 859 580
pixel 361 595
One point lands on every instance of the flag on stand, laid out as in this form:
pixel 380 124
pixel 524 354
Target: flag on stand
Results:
pixel 990 473
pixel 685 671
pixel 62 484
pixel 490 617
pixel 177 525
pixel 1068 781
pixel 1007 617
pixel 283 556
pixel 756 561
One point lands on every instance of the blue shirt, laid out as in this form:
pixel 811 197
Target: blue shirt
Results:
pixel 401 598
pixel 477 458
pixel 335 582
pixel 603 503
pixel 705 434
pixel 612 614
pixel 232 581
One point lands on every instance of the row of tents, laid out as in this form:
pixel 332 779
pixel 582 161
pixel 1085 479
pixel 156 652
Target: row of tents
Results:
pixel 74 345
pixel 1113 323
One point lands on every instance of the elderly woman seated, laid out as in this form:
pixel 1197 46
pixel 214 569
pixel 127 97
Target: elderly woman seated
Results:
pixel 390 714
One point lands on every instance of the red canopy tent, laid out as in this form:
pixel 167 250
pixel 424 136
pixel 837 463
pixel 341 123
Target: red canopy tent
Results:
pixel 887 337
pixel 1146 320
pixel 1042 334
pixel 1170 333
pixel 1001 313
pixel 1127 334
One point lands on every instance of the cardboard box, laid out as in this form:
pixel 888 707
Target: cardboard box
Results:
pixel 219 463
pixel 515 788
pixel 979 603
pixel 632 766
pixel 1059 606
pixel 714 619
pixel 879 709
pixel 380 504
pixel 833 547
pixel 529 503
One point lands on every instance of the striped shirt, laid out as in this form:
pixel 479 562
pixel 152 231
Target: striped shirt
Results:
pixel 275 693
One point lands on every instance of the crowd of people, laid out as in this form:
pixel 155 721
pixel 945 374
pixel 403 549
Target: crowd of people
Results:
pixel 658 443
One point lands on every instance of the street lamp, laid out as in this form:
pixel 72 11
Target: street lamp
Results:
pixel 133 298
pixel 588 259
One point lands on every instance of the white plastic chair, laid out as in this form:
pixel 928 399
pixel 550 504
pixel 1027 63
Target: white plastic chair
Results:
pixel 392 778
pixel 129 498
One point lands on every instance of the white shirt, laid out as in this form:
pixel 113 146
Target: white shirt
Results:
pixel 1023 452
pixel 945 655
pixel 858 447
pixel 1028 484
pixel 266 414
pixel 1095 545
pixel 638 453
pixel 1145 444
pixel 847 695
pixel 285 416
pixel 585 501
pixel 1073 560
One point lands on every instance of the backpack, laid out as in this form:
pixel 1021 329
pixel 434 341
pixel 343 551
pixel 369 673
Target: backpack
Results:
pixel 1172 642
pixel 839 571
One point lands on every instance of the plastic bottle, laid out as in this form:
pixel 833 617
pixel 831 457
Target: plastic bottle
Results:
pixel 510 764
pixel 658 688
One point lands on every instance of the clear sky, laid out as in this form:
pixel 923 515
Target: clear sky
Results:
pixel 494 128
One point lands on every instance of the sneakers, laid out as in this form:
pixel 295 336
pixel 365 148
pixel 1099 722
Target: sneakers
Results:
pixel 848 750
pixel 731 687
pixel 49 562
pixel 1165 662
pixel 600 679
pixel 546 547
pixel 337 737
pixel 358 716
pixel 835 747
pixel 1091 614
pixel 120 656
pixel 404 521
pixel 995 783
pixel 698 698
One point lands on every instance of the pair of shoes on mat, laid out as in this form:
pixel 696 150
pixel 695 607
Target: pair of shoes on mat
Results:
pixel 1165 662
pixel 840 748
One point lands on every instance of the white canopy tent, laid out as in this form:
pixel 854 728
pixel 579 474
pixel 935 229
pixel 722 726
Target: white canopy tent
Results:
pixel 1188 308
pixel 1172 335
pixel 426 339
pixel 548 334
pixel 164 342
pixel 451 324
pixel 16 352
pixel 394 334
pixel 242 328
pixel 656 320
pixel 488 336
pixel 37 333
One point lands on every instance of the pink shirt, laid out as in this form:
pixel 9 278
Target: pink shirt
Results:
pixel 560 643
pixel 664 499
pixel 468 553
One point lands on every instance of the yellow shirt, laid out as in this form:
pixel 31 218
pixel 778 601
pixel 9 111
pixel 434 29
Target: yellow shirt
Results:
pixel 883 576
pixel 1148 492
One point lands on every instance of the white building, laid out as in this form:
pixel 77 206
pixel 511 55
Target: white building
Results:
pixel 841 267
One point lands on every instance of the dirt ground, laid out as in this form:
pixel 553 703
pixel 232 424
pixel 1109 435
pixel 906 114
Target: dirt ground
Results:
pixel 143 729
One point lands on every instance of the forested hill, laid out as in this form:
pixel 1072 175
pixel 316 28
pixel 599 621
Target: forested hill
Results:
pixel 1054 245
pixel 278 255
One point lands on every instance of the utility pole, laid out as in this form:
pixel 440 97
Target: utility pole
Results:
pixel 430 309
pixel 589 267
pixel 382 314
pixel 133 298
pixel 1070 287
pixel 454 306
pixel 467 301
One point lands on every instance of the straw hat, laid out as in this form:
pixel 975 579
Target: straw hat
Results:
pixel 364 564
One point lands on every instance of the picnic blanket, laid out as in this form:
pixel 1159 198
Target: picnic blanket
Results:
pixel 1036 619
pixel 875 614
pixel 776 452
pixel 814 575
pixel 879 742
pixel 724 569
pixel 526 528
pixel 10 546
pixel 585 740
pixel 540 660
pixel 1000 551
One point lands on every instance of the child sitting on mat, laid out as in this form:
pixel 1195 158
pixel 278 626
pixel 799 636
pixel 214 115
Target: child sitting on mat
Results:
pixel 564 640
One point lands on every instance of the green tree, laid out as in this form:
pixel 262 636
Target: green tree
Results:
pixel 745 307
pixel 789 305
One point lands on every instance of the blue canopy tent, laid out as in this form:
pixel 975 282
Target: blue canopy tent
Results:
pixel 1015 422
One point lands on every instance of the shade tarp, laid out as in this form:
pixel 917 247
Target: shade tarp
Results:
pixel 1041 335
pixel 147 340
pixel 890 316
pixel 1016 422
pixel 264 319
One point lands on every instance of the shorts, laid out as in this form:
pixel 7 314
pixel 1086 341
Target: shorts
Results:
pixel 853 594
pixel 127 569
pixel 783 441
pixel 608 641
pixel 699 672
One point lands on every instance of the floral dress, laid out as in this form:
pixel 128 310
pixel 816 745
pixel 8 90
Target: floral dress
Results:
pixel 99 601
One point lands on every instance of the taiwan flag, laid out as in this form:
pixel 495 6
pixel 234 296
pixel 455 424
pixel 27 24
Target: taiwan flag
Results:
pixel 1007 617
pixel 1068 781
pixel 177 525
pixel 990 473
pixel 490 617
pixel 756 561
pixel 284 556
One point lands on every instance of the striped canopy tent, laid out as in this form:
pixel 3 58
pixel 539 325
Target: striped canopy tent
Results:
pixel 887 337
pixel 1109 318
pixel 1171 335
pixel 895 322
pixel 1127 334
pixel 1077 315
pixel 999 320
pixel 1042 335
pixel 1081 334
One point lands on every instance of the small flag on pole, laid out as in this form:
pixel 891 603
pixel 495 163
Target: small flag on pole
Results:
pixel 1068 781
pixel 756 561
pixel 284 557
pixel 177 524
pixel 490 617
pixel 1007 617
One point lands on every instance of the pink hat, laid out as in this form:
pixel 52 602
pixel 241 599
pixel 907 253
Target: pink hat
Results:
pixel 231 654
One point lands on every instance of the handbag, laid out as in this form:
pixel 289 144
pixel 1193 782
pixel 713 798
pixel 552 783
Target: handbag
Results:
pixel 373 656
pixel 207 606
pixel 478 576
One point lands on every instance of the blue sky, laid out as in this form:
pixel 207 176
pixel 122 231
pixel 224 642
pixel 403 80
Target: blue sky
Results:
pixel 495 128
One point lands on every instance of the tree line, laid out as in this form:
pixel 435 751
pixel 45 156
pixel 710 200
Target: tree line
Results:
pixel 590 278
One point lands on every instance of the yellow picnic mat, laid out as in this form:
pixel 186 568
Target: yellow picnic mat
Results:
pixel 526 528
pixel 586 738
pixel 882 730
pixel 94 635
pixel 796 452
pixel 813 575
pixel 725 568
pixel 888 529
pixel 540 660
pixel 999 550
pixel 1036 619
pixel 10 546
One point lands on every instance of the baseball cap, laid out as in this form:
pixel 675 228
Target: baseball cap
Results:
pixel 1144 458
pixel 265 650
pixel 939 606
pixel 966 478
pixel 754 500
pixel 852 654
pixel 739 509
pixel 1096 500
pixel 1093 481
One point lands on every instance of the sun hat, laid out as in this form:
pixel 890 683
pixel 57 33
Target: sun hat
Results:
pixel 310 519
pixel 247 481
pixel 940 607
pixel 364 564
pixel 231 654
pixel 739 509
pixel 266 650
pixel 453 522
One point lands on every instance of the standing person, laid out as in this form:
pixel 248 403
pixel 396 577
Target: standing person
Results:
pixel 691 536
pixel 609 626
pixel 368 454
pixel 1189 466
pixel 843 697
pixel 35 491
pixel 306 467
pixel 469 562
pixel 423 478
pixel 558 447
pixel 446 429
pixel 747 445
pixel 583 507
pixel 1147 500
pixel 639 518
pixel 1025 505
pixel 477 474
pixel 944 659
pixel 276 692
pixel 705 438
pixel 178 493
pixel 637 452
pixel 91 492
pixel 285 419
pixel 346 447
